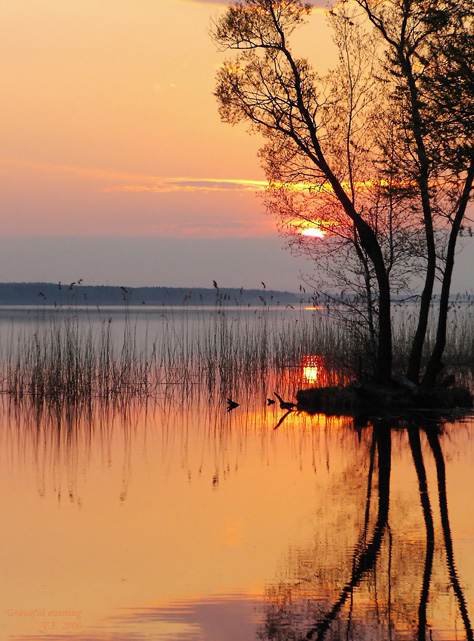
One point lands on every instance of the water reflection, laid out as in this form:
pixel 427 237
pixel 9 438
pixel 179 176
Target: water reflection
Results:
pixel 315 371
pixel 371 602
pixel 168 520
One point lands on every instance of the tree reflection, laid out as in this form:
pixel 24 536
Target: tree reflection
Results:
pixel 415 444
pixel 320 607
pixel 435 445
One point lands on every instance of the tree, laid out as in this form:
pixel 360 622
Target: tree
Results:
pixel 359 144
pixel 429 51
pixel 354 126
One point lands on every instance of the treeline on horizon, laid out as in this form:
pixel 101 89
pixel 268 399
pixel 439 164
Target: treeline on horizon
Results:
pixel 77 294
pixel 67 294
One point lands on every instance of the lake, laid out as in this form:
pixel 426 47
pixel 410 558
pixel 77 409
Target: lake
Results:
pixel 168 518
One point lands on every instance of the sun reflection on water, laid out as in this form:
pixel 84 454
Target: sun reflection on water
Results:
pixel 314 371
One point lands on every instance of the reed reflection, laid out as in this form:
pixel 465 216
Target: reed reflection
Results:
pixel 375 596
pixel 60 442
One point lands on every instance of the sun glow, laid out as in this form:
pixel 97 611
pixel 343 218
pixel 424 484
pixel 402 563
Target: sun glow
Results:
pixel 313 232
pixel 314 371
pixel 317 228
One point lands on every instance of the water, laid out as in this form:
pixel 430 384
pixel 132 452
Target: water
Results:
pixel 175 520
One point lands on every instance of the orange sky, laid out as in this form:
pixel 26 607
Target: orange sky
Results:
pixel 110 132
pixel 109 125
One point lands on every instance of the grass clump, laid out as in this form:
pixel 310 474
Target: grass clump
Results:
pixel 66 361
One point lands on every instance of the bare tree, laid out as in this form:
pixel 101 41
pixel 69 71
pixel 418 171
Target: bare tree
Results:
pixel 356 154
pixel 279 95
pixel 429 48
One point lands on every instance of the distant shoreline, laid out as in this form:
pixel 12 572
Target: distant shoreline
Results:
pixel 64 295
pixel 76 294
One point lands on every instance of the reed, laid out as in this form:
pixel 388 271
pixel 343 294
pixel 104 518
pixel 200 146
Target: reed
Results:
pixel 68 361
pixel 73 359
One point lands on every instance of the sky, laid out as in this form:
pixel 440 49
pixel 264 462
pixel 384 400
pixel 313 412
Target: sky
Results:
pixel 114 165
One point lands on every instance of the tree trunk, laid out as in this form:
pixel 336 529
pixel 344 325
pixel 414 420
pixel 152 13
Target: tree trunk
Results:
pixel 414 363
pixel 433 439
pixel 419 132
pixel 415 445
pixel 434 364
pixel 370 244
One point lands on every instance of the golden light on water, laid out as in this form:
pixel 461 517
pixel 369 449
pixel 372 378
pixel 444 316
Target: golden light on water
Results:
pixel 314 372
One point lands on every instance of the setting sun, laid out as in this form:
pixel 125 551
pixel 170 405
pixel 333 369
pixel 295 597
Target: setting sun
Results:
pixel 314 232
pixel 312 227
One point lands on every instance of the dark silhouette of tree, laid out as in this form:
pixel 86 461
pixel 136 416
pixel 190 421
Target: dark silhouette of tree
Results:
pixel 415 444
pixel 430 55
pixel 277 93
pixel 378 155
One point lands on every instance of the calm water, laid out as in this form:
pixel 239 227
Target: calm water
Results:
pixel 174 520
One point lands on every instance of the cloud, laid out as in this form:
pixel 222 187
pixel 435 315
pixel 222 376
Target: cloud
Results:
pixel 94 173
pixel 129 182
pixel 167 185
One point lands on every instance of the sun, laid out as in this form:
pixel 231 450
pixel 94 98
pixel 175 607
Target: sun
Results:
pixel 314 232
